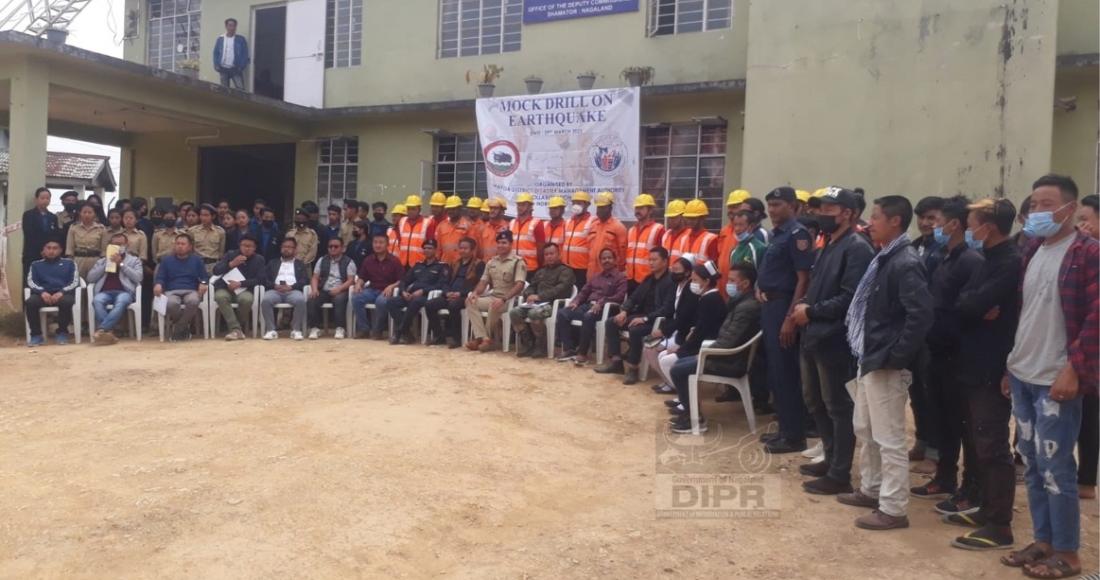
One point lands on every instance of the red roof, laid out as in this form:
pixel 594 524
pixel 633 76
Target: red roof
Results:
pixel 71 166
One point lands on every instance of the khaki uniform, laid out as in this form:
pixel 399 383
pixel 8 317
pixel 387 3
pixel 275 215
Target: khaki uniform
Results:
pixel 347 232
pixel 85 245
pixel 164 239
pixel 209 244
pixel 307 243
pixel 136 244
pixel 501 274
pixel 63 218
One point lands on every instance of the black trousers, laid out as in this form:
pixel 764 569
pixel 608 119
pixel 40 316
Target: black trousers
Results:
pixel 987 415
pixel 580 275
pixel 918 400
pixel 947 411
pixel 64 312
pixel 1087 445
pixel 339 307
pixel 402 320
pixel 636 334
pixel 453 328
pixel 784 376
pixel 583 342
pixel 824 375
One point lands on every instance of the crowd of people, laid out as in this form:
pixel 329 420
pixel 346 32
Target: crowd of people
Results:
pixel 969 324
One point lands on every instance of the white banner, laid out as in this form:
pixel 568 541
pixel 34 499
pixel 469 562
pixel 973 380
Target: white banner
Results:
pixel 559 143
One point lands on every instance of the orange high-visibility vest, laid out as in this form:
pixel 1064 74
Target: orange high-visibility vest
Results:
pixel 703 245
pixel 394 237
pixel 555 234
pixel 411 250
pixel 675 243
pixel 638 245
pixel 448 233
pixel 727 242
pixel 526 247
pixel 575 246
pixel 488 241
pixel 606 234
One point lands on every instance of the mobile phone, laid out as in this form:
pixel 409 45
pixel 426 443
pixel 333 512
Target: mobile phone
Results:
pixel 282 283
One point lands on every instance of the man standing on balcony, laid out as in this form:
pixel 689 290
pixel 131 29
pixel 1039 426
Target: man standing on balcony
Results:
pixel 231 56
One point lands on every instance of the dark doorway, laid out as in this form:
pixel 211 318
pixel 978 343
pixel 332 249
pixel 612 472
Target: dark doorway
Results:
pixel 269 55
pixel 244 173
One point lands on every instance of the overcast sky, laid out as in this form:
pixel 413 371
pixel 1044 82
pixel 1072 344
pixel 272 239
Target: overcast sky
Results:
pixel 98 28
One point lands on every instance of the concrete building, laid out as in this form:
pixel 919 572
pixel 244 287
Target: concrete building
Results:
pixel 369 99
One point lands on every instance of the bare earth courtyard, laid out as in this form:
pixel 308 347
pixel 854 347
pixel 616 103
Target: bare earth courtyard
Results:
pixel 355 459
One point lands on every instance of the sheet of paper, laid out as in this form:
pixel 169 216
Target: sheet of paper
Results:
pixel 160 305
pixel 529 305
pixel 111 252
pixel 235 275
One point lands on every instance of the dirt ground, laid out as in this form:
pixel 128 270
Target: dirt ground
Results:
pixel 353 459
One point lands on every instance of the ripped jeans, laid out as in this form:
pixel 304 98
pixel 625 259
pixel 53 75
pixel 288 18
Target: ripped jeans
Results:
pixel 1048 432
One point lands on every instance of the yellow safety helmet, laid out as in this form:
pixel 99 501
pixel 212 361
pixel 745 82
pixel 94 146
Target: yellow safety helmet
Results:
pixel 452 202
pixel 400 209
pixel 438 198
pixel 696 208
pixel 484 208
pixel 474 202
pixel 604 198
pixel 821 192
pixel 556 201
pixel 525 197
pixel 802 195
pixel 501 202
pixel 582 196
pixel 413 201
pixel 738 196
pixel 675 208
pixel 644 200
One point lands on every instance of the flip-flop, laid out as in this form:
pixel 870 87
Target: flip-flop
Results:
pixel 1020 558
pixel 1059 568
pixel 977 542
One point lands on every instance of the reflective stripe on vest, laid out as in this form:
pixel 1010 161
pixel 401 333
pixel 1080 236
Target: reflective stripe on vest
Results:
pixel 637 251
pixel 393 237
pixel 523 236
pixel 674 242
pixel 412 242
pixel 575 245
pixel 555 234
pixel 699 247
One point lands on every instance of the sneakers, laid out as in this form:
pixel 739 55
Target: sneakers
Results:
pixel 858 499
pixel 826 486
pixel 957 504
pixel 879 521
pixel 931 490
pixel 818 450
pixel 567 356
pixel 612 367
pixel 682 425
pixel 104 338
pixel 271 335
pixel 61 338
pixel 36 340
pixel 340 334
pixel 296 335
pixel 234 335
pixel 314 333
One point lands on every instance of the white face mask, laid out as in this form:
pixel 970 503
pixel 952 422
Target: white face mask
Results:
pixel 696 288
pixel 577 209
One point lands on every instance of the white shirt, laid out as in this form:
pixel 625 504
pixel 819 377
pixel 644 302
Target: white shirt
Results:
pixel 286 273
pixel 1040 350
pixel 227 51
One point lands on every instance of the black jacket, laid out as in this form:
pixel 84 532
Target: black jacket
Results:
pixel 301 274
pixel 653 298
pixel 426 277
pixel 708 321
pixel 833 282
pixel 985 344
pixel 957 268
pixel 462 283
pixel 741 324
pixel 899 311
pixel 35 236
pixel 252 270
pixel 683 317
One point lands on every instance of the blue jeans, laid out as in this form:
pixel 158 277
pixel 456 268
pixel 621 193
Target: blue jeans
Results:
pixel 1048 431
pixel 378 321
pixel 108 319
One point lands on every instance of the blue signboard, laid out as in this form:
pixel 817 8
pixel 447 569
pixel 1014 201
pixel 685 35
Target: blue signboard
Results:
pixel 536 11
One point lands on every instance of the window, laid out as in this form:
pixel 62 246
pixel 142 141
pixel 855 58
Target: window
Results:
pixel 337 170
pixel 343 33
pixel 680 16
pixel 684 162
pixel 473 27
pixel 459 166
pixel 173 33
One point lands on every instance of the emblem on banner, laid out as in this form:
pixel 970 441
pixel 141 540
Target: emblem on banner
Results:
pixel 607 154
pixel 501 158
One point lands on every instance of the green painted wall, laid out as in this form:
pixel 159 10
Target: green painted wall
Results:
pixel 918 98
pixel 1076 132
pixel 1078 21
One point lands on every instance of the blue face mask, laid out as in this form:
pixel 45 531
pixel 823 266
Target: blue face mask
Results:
pixel 970 241
pixel 731 290
pixel 1041 224
pixel 744 236
pixel 940 237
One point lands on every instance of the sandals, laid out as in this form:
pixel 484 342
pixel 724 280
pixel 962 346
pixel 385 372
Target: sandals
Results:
pixel 1029 555
pixel 1055 567
pixel 983 539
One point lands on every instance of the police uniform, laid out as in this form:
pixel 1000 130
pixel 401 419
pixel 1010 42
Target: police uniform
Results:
pixel 85 245
pixel 790 251
pixel 163 241
pixel 136 243
pixel 422 277
pixel 307 243
pixel 501 274
pixel 209 244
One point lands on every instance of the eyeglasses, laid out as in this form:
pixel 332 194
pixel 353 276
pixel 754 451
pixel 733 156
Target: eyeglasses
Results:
pixel 334 246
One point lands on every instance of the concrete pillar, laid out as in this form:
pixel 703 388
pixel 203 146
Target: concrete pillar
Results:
pixel 30 95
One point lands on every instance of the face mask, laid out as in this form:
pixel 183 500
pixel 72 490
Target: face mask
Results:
pixel 577 209
pixel 827 223
pixel 744 236
pixel 732 290
pixel 970 241
pixel 940 237
pixel 679 276
pixel 696 288
pixel 378 217
pixel 1042 225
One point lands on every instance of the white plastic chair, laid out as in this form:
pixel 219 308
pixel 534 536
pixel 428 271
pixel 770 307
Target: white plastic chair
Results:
pixel 643 372
pixel 551 323
pixel 212 308
pixel 505 320
pixel 78 311
pixel 424 330
pixel 371 306
pixel 306 290
pixel 163 326
pixel 739 383
pixel 601 329
pixel 134 308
